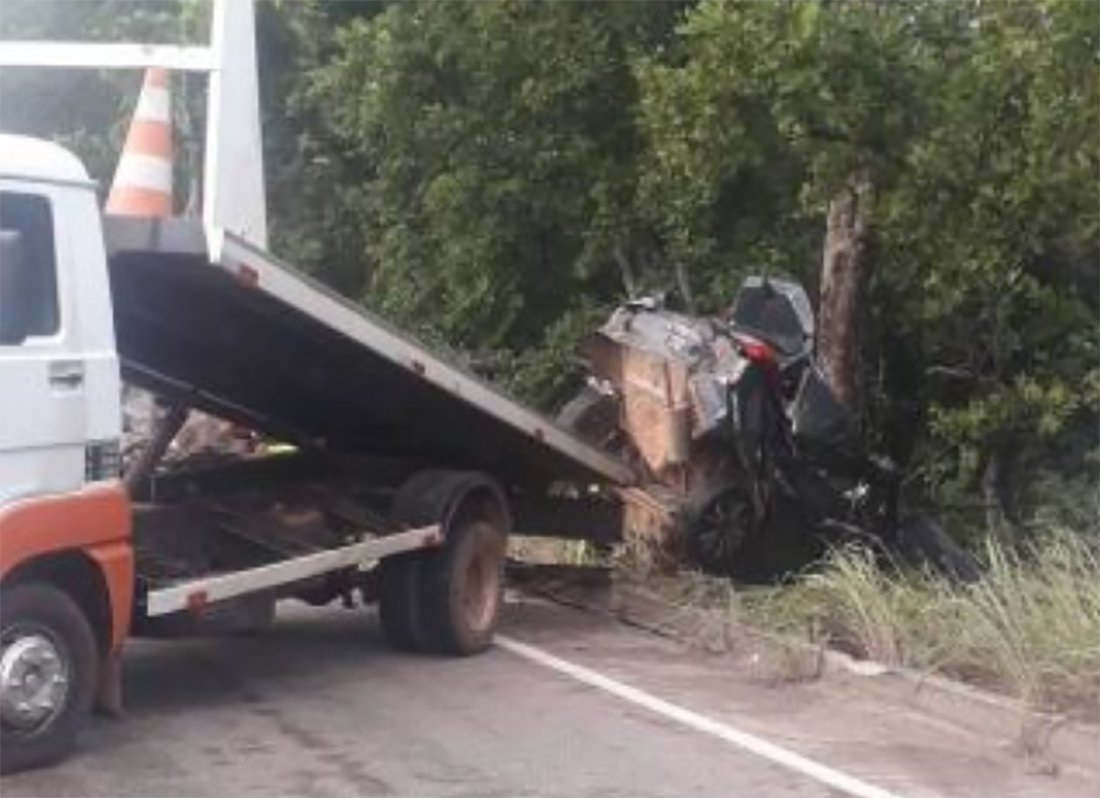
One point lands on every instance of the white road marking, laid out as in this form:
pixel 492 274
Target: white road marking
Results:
pixel 749 742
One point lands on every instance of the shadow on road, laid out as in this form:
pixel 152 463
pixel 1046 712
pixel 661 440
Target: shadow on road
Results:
pixel 300 648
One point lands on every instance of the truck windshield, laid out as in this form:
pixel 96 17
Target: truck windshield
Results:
pixel 28 268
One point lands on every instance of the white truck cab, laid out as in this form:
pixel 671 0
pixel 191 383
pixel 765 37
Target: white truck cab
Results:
pixel 59 373
pixel 87 558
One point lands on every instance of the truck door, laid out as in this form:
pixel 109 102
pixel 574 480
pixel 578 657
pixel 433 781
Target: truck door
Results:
pixel 42 381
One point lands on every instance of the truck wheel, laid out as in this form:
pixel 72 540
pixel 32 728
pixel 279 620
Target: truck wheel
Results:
pixel 48 665
pixel 399 602
pixel 462 588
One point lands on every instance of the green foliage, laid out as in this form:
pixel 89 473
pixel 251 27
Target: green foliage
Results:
pixel 977 124
pixel 1058 501
pixel 501 152
pixel 552 373
pixel 497 175
pixel 316 194
pixel 84 110
pixel 765 111
pixel 994 233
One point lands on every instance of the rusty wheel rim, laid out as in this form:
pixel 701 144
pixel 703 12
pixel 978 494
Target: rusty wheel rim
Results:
pixel 482 588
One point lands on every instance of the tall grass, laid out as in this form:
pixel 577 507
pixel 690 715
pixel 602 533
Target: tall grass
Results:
pixel 1036 619
pixel 1029 628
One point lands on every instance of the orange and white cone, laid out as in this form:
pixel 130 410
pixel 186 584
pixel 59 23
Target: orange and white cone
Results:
pixel 143 180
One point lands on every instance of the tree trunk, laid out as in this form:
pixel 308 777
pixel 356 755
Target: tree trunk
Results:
pixel 626 271
pixel 845 273
pixel 993 497
pixel 683 283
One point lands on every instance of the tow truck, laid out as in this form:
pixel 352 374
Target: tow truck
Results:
pixel 405 475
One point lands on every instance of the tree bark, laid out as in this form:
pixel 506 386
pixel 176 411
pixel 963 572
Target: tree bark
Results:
pixel 683 283
pixel 626 271
pixel 993 496
pixel 845 273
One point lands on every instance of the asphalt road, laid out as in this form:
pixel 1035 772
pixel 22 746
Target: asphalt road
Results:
pixel 569 705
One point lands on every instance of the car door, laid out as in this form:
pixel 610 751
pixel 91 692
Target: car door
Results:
pixel 43 410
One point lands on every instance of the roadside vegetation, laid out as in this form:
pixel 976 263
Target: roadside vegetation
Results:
pixel 1030 629
pixel 499 175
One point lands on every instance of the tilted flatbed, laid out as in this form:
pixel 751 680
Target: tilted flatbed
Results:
pixel 234 331
pixel 410 473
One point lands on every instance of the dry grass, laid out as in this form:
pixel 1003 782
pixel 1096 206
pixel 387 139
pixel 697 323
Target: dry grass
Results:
pixel 706 610
pixel 1036 621
pixel 552 551
pixel 1030 628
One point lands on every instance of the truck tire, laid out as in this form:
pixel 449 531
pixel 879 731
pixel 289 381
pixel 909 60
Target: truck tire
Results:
pixel 48 673
pixel 462 588
pixel 399 602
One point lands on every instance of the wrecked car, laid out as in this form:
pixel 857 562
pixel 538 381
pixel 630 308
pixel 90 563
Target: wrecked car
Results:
pixel 747 463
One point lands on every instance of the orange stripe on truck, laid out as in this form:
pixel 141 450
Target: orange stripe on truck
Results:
pixel 95 521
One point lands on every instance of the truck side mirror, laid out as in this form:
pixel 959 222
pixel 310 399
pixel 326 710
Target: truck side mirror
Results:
pixel 13 320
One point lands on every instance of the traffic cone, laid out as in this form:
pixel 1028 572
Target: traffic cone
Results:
pixel 143 180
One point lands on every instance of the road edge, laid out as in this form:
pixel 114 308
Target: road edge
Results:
pixel 1051 738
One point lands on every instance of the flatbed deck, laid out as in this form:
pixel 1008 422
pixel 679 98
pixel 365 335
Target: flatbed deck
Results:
pixel 240 334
